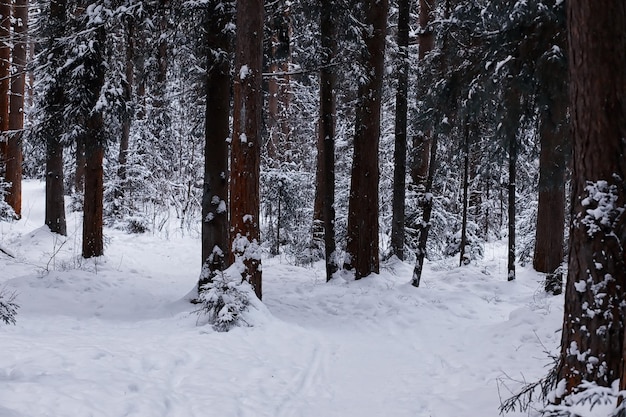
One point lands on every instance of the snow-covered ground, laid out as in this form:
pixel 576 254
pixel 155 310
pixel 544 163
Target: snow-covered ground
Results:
pixel 116 337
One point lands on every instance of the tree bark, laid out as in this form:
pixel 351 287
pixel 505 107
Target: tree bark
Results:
pixel 464 258
pixel 246 141
pixel 16 116
pixel 93 239
pixel 399 151
pixel 215 250
pixel 55 201
pixel 5 59
pixel 421 141
pixel 593 326
pixel 511 206
pixel 362 246
pixel 326 134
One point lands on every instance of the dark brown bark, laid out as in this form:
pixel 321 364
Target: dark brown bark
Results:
pixel 362 246
pixel 421 141
pixel 215 248
pixel 326 134
pixel 549 253
pixel 93 241
pixel 399 151
pixel 55 202
pixel 593 326
pixel 13 159
pixel 246 141
pixel 79 173
pixel 5 58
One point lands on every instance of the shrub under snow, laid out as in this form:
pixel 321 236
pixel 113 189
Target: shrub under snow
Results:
pixel 8 307
pixel 222 302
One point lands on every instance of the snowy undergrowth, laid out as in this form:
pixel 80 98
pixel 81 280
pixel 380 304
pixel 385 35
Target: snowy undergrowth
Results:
pixel 116 336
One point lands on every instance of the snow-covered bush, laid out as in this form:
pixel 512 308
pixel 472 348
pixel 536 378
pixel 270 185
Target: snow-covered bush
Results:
pixel 6 212
pixel 8 307
pixel 222 302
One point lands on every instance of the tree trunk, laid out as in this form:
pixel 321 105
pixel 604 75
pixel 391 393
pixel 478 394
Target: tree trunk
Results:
pixel 464 258
pixel 55 202
pixel 362 246
pixel 421 141
pixel 5 59
pixel 399 151
pixel 593 325
pixel 511 206
pixel 16 117
pixel 555 149
pixel 129 71
pixel 427 207
pixel 215 248
pixel 326 133
pixel 246 141
pixel 93 242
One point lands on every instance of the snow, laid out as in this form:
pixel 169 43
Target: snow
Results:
pixel 116 336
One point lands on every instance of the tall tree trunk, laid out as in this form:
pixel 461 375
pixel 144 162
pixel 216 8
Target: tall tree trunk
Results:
pixel 464 258
pixel 215 248
pixel 593 326
pixel 511 206
pixel 93 242
pixel 55 202
pixel 553 159
pixel 427 209
pixel 5 59
pixel 129 73
pixel 326 133
pixel 16 116
pixel 421 141
pixel 246 141
pixel 399 151
pixel 362 246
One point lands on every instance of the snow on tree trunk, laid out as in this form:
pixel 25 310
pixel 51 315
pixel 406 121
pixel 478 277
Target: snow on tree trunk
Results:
pixel 593 326
pixel 16 116
pixel 246 142
pixel 215 189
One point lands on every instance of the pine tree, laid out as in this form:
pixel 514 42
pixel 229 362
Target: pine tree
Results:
pixel 592 345
pixel 246 141
pixel 362 246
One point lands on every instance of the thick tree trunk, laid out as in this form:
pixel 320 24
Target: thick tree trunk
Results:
pixel 548 254
pixel 5 59
pixel 593 326
pixel 93 240
pixel 399 151
pixel 16 117
pixel 215 248
pixel 326 133
pixel 362 246
pixel 55 202
pixel 246 141
pixel 421 141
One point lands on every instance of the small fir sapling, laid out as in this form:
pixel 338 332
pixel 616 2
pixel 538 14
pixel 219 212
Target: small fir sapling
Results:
pixel 223 301
pixel 8 307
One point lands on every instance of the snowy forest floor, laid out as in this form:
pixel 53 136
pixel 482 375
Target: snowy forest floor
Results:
pixel 115 336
